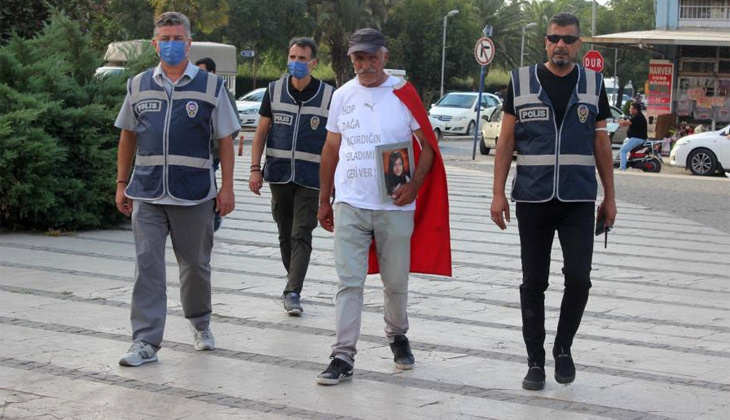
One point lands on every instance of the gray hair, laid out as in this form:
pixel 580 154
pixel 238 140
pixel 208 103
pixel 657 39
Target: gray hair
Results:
pixel 172 19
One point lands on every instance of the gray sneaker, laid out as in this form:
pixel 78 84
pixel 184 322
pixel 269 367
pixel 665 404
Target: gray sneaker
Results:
pixel 291 304
pixel 203 339
pixel 139 353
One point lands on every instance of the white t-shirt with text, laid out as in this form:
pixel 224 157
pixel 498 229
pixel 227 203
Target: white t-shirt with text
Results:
pixel 365 118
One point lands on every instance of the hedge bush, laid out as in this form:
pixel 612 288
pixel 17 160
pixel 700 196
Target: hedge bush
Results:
pixel 57 137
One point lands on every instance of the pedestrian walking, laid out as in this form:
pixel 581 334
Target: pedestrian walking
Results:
pixel 208 64
pixel 409 234
pixel 293 116
pixel 169 116
pixel 555 117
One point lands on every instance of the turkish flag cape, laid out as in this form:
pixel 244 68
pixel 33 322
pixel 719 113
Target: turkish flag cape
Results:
pixel 431 239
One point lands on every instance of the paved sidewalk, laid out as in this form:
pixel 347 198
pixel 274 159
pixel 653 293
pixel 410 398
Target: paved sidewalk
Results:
pixel 654 343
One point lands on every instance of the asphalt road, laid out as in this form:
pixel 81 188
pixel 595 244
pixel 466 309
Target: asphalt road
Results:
pixel 676 191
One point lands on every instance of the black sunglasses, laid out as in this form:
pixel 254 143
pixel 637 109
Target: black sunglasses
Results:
pixel 568 39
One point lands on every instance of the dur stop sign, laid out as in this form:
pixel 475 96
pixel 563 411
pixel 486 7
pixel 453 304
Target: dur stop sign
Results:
pixel 593 60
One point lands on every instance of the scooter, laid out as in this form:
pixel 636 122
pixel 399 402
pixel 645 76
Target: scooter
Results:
pixel 644 157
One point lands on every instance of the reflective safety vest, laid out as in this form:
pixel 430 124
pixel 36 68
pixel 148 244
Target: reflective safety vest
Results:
pixel 295 140
pixel 555 162
pixel 173 138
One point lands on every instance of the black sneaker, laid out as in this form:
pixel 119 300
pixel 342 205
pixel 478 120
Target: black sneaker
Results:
pixel 535 378
pixel 402 355
pixel 564 366
pixel 338 370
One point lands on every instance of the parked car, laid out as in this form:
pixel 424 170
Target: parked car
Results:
pixel 490 130
pixel 703 153
pixel 438 127
pixel 458 110
pixel 615 131
pixel 248 107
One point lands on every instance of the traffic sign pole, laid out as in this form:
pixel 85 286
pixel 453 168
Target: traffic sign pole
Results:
pixel 477 131
pixel 484 53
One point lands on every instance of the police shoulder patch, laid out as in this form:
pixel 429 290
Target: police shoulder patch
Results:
pixel 535 113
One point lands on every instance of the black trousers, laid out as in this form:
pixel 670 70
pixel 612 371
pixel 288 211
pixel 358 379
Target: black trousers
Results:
pixel 294 208
pixel 538 222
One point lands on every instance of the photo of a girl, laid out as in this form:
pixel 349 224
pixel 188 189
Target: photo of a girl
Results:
pixel 397 173
pixel 395 167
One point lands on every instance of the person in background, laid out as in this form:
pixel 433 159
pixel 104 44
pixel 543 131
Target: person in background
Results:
pixel 293 116
pixel 636 135
pixel 208 65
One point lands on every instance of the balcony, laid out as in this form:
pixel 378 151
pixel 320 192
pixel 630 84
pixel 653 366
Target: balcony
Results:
pixel 710 14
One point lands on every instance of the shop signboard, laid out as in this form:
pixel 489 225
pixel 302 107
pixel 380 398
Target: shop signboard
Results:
pixel 659 87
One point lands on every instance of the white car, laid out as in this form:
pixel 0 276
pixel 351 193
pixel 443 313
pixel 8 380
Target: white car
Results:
pixel 248 107
pixel 703 153
pixel 438 127
pixel 459 111
pixel 490 130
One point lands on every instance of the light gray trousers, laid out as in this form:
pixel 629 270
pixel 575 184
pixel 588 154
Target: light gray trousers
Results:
pixel 191 230
pixel 354 232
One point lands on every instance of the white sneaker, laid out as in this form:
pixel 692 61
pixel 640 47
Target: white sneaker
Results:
pixel 203 339
pixel 139 353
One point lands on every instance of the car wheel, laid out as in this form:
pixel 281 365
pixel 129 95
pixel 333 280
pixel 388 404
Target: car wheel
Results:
pixel 471 128
pixel 702 162
pixel 439 135
pixel 483 149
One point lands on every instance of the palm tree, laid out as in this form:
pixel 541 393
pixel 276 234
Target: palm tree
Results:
pixel 540 12
pixel 337 19
pixel 506 21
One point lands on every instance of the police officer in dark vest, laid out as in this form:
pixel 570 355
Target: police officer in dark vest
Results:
pixel 169 118
pixel 293 116
pixel 555 118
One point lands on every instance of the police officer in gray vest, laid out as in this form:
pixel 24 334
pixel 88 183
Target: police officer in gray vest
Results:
pixel 293 116
pixel 168 119
pixel 555 117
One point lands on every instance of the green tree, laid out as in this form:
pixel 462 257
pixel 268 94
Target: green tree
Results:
pixel 632 65
pixel 540 12
pixel 205 15
pixel 57 140
pixel 23 17
pixel 336 20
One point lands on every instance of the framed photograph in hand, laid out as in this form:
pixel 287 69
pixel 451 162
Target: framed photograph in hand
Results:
pixel 395 167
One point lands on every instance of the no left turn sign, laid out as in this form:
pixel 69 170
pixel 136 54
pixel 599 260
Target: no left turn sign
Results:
pixel 484 51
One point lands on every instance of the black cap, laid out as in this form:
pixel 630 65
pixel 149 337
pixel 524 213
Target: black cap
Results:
pixel 368 40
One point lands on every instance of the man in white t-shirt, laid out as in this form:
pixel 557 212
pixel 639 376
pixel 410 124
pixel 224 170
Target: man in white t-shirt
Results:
pixel 365 113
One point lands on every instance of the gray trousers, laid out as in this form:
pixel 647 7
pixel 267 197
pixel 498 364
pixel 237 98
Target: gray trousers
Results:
pixel 294 208
pixel 191 230
pixel 354 232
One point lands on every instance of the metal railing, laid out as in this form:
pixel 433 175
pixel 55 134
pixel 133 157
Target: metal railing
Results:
pixel 704 10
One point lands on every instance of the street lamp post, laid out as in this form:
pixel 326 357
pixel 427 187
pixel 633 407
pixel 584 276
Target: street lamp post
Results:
pixel 443 49
pixel 522 49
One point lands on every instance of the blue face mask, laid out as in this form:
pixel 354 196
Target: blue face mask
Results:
pixel 298 69
pixel 172 52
